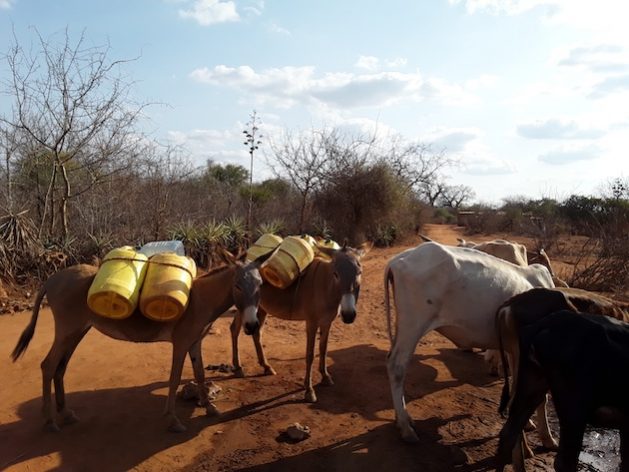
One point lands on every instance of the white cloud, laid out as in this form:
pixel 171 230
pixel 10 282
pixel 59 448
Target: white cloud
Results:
pixel 275 28
pixel 288 86
pixel 508 7
pixel 395 62
pixel 208 12
pixel 453 140
pixel 256 8
pixel 6 4
pixel 606 19
pixel 600 58
pixel 370 63
pixel 486 165
pixel 569 155
pixel 557 129
pixel 610 85
pixel 373 63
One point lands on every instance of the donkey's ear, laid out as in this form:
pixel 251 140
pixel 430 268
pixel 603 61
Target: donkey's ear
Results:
pixel 260 260
pixel 242 255
pixel 344 247
pixel 227 256
pixel 363 249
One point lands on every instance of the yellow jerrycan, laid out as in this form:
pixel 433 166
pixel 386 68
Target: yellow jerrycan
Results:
pixel 166 289
pixel 115 290
pixel 265 244
pixel 292 257
pixel 327 243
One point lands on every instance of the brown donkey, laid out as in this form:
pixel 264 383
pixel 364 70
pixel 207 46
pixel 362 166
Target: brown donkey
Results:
pixel 324 289
pixel 211 295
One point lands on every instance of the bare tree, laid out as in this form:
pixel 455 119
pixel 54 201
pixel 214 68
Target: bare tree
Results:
pixel 301 160
pixel 419 165
pixel 71 106
pixel 454 196
pixel 432 189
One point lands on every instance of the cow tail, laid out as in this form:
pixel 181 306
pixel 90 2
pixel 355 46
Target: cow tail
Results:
pixel 506 394
pixel 388 280
pixel 27 334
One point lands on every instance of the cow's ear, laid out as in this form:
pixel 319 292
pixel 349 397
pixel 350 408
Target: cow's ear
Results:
pixel 363 249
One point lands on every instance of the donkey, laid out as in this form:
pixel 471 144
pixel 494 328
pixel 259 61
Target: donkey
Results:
pixel 316 297
pixel 210 296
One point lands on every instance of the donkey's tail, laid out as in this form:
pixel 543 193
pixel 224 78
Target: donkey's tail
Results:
pixel 27 334
pixel 388 280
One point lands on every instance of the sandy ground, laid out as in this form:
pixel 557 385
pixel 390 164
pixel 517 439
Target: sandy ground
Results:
pixel 118 390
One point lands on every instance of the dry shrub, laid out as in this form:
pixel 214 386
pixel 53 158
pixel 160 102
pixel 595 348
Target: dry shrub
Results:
pixel 603 261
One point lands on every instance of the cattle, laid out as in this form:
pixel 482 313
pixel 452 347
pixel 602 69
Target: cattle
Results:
pixel 507 250
pixel 323 290
pixel 516 253
pixel 527 308
pixel 519 255
pixel 582 359
pixel 453 290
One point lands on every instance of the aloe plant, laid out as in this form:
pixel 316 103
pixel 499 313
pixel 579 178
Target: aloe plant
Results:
pixel 270 227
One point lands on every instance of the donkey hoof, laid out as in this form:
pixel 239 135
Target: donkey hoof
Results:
pixel 211 410
pixel 51 427
pixel 311 396
pixel 268 370
pixel 327 381
pixel 410 436
pixel 69 417
pixel 176 426
pixel 239 372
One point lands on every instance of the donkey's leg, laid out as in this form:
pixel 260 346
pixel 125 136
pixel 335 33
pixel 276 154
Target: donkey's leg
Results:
pixel 49 368
pixel 235 330
pixel 311 334
pixel 268 370
pixel 199 377
pixel 73 341
pixel 324 332
pixel 179 356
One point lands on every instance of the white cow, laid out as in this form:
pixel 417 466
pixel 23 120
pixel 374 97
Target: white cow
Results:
pixel 453 290
pixel 507 250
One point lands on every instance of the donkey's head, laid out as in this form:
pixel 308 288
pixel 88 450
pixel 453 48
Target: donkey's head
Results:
pixel 246 290
pixel 346 276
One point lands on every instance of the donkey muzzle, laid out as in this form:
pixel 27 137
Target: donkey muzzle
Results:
pixel 348 317
pixel 348 308
pixel 252 328
pixel 250 320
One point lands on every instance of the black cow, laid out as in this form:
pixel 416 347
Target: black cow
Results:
pixel 584 361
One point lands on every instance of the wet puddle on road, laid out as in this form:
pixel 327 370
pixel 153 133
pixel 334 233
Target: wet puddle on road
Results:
pixel 600 451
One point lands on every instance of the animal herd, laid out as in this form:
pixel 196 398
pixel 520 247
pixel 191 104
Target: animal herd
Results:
pixel 549 337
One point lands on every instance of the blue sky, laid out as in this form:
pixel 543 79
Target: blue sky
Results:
pixel 531 96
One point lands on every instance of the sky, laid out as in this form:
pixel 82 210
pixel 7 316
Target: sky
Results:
pixel 530 96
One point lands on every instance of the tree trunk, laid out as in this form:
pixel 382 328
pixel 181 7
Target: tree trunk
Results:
pixel 64 202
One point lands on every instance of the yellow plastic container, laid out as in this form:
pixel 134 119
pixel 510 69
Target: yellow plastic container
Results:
pixel 166 289
pixel 291 258
pixel 264 245
pixel 115 290
pixel 327 243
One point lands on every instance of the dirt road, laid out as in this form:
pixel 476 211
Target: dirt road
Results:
pixel 118 390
